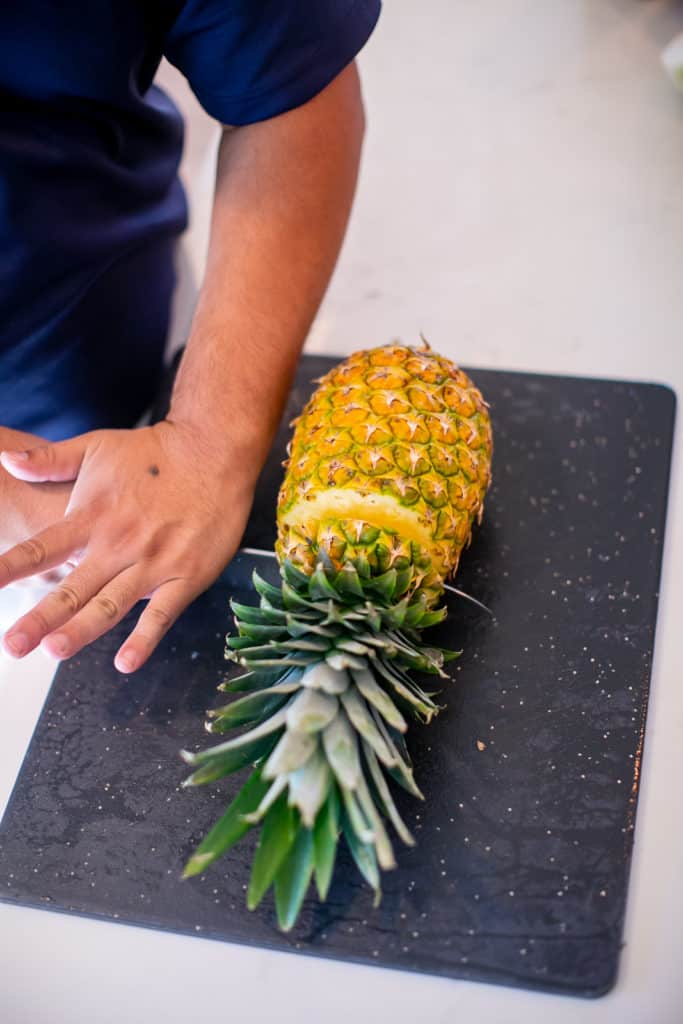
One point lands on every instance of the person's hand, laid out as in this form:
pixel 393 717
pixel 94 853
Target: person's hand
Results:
pixel 28 507
pixel 154 512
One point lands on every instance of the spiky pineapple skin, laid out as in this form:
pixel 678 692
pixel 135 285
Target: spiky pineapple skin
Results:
pixel 388 468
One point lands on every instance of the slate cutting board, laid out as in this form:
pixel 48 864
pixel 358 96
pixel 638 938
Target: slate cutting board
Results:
pixel 531 773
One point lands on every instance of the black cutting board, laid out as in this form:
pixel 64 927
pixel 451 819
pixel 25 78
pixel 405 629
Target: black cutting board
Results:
pixel 531 773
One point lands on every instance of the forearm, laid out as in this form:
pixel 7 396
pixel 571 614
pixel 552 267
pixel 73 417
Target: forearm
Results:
pixel 283 195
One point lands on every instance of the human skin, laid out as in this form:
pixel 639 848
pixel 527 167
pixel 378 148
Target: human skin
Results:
pixel 26 507
pixel 158 511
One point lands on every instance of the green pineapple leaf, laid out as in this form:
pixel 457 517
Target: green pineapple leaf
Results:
pixel 385 797
pixel 312 710
pixel 309 786
pixel 251 708
pixel 256 614
pixel 339 660
pixel 426 709
pixel 379 699
pixel 364 724
pixel 393 617
pixel 404 577
pixel 319 587
pixel 273 595
pixel 364 856
pixel 243 643
pixel 220 765
pixel 295 577
pixel 293 879
pixel 307 642
pixel 296 602
pixel 383 586
pixel 433 618
pixel 292 751
pixel 449 655
pixel 267 663
pixel 256 632
pixel 347 582
pixel 341 749
pixel 297 627
pixel 250 682
pixel 322 677
pixel 354 647
pixel 416 610
pixel 277 837
pixel 325 841
pixel 229 828
pixel 382 843
pixel 363 567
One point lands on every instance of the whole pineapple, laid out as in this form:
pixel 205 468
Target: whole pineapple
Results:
pixel 388 468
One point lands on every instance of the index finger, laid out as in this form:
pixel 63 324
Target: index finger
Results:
pixel 44 550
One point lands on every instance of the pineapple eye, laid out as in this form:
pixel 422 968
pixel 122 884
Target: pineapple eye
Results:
pixel 427 370
pixel 388 403
pixel 409 428
pixel 433 492
pixel 410 460
pixel 459 400
pixel 443 460
pixel 347 415
pixel 334 473
pixel 336 443
pixel 468 462
pixel 387 377
pixel 374 461
pixel 372 431
pixel 446 525
pixel 388 355
pixel 404 490
pixel 424 400
pixel 347 395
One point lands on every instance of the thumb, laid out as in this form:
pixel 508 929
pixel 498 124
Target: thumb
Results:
pixel 59 461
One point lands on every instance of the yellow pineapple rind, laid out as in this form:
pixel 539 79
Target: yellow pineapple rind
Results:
pixel 395 440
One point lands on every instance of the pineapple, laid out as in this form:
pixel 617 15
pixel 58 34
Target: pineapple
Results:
pixel 387 471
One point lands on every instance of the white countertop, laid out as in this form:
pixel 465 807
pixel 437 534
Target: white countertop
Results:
pixel 521 204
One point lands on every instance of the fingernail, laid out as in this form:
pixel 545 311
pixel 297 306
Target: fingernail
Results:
pixel 127 662
pixel 58 644
pixel 17 644
pixel 15 456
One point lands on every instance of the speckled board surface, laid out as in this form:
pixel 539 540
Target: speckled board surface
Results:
pixel 531 774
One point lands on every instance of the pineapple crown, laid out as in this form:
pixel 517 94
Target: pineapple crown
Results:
pixel 325 694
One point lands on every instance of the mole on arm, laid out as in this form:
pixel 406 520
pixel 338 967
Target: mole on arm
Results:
pixel 153 470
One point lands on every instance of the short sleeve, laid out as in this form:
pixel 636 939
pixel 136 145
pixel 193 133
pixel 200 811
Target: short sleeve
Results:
pixel 248 60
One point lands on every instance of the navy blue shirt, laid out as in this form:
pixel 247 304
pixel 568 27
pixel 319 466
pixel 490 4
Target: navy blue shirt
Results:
pixel 90 202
